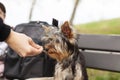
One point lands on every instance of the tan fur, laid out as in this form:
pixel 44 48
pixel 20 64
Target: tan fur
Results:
pixel 62 47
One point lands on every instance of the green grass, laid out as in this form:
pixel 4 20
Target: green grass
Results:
pixel 102 75
pixel 101 27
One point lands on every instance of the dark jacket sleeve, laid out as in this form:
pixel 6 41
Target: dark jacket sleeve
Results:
pixel 4 30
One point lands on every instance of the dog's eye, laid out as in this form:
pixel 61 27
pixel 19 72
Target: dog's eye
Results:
pixel 50 39
pixel 57 41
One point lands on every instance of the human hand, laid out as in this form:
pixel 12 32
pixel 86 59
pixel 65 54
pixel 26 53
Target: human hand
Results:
pixel 22 44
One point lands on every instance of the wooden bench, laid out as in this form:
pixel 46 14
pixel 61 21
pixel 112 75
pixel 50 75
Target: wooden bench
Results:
pixel 101 51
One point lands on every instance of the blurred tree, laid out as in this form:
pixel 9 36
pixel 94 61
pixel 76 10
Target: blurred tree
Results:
pixel 74 11
pixel 31 9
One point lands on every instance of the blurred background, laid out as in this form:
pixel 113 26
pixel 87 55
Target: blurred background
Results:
pixel 87 16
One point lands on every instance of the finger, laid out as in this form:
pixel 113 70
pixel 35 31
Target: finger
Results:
pixel 33 44
pixel 36 51
pixel 21 55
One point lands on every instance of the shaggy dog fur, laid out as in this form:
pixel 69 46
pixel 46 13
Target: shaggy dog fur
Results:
pixel 61 44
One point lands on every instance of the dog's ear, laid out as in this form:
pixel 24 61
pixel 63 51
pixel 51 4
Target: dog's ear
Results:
pixel 66 30
pixel 46 28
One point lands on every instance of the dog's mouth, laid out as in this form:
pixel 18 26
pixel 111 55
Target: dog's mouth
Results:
pixel 52 54
pixel 48 51
pixel 45 50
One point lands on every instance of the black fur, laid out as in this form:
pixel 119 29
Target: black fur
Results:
pixel 62 45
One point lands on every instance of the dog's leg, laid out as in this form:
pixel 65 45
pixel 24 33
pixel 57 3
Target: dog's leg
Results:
pixel 61 74
pixel 78 74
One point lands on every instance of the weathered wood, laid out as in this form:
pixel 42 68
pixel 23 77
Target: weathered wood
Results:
pixel 101 51
pixel 99 42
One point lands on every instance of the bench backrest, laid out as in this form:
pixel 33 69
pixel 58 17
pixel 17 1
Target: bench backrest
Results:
pixel 101 51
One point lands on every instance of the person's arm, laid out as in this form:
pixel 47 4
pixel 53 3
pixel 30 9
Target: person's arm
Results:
pixel 20 43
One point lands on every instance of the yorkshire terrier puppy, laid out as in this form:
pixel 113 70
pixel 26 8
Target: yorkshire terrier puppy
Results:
pixel 61 44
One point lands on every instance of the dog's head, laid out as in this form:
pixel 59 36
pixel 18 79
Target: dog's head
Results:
pixel 59 43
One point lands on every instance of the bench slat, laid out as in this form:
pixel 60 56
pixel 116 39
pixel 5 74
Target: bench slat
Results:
pixel 99 42
pixel 110 62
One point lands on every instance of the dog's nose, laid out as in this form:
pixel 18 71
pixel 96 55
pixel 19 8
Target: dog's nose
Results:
pixel 46 49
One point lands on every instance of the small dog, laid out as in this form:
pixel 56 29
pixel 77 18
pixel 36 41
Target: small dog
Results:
pixel 61 44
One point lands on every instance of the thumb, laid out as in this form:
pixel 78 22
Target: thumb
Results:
pixel 36 50
pixel 33 44
pixel 35 47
